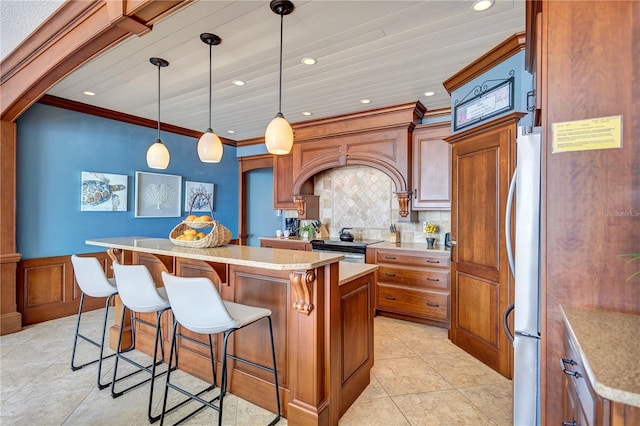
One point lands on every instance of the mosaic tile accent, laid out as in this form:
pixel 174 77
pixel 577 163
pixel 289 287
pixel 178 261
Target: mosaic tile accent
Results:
pixel 363 198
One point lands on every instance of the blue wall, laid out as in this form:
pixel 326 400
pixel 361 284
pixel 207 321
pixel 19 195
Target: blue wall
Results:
pixel 523 83
pixel 55 146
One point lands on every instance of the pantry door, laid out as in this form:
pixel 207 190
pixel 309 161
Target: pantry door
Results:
pixel 481 284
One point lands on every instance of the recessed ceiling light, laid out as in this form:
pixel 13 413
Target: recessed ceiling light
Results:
pixel 238 83
pixel 482 5
pixel 307 113
pixel 309 61
pixel 89 93
pixel 365 101
pixel 429 93
pixel 231 131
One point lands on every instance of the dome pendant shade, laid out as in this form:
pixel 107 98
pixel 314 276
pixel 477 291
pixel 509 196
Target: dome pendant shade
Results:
pixel 210 147
pixel 279 136
pixel 158 156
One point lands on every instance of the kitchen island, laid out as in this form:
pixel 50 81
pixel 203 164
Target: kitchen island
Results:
pixel 322 312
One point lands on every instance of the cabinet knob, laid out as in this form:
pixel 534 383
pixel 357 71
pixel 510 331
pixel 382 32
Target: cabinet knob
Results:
pixel 433 305
pixel 389 274
pixel 432 261
pixel 569 423
pixel 390 298
pixel 390 257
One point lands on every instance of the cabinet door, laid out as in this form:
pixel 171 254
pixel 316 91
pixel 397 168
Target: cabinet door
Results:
pixel 283 182
pixel 431 167
pixel 483 162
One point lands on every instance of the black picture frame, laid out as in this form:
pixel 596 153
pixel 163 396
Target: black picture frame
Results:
pixel 486 103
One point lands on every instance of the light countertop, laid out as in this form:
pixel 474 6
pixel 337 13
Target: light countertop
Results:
pixel 386 245
pixel 292 239
pixel 349 271
pixel 609 344
pixel 258 257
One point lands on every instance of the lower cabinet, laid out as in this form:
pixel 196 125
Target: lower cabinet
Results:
pixel 286 244
pixel 582 406
pixel 413 286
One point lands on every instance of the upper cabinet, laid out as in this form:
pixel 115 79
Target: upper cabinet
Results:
pixel 283 182
pixel 431 167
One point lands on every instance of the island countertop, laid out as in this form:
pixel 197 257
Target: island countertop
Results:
pixel 608 343
pixel 258 257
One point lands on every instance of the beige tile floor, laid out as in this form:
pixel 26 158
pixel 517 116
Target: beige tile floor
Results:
pixel 419 378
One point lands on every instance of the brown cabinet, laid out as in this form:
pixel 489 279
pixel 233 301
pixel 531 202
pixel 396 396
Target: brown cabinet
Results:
pixel 413 286
pixel 582 406
pixel 286 244
pixel 431 167
pixel 283 182
pixel 481 285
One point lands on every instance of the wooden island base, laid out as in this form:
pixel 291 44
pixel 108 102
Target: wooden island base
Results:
pixel 322 313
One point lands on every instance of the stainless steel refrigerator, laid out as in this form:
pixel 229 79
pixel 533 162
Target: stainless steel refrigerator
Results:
pixel 524 261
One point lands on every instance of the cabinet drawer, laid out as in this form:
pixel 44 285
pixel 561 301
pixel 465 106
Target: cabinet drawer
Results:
pixel 414 277
pixel 398 257
pixel 573 365
pixel 419 303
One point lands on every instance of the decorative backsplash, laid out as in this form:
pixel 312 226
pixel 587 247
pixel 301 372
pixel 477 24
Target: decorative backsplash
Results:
pixel 362 198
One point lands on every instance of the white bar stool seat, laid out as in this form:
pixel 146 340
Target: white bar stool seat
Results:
pixel 93 283
pixel 139 294
pixel 198 307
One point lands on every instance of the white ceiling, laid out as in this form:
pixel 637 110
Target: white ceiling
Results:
pixel 391 52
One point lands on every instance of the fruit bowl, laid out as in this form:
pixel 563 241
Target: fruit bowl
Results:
pixel 218 236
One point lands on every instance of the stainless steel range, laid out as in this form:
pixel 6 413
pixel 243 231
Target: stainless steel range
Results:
pixel 353 251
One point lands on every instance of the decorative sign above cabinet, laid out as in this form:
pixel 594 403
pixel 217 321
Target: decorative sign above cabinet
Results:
pixel 486 103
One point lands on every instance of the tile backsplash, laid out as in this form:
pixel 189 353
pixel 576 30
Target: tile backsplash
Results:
pixel 363 198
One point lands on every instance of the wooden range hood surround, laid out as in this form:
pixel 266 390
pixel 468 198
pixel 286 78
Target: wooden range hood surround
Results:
pixel 379 138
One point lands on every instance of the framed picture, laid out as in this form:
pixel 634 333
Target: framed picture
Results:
pixel 485 104
pixel 158 195
pixel 201 204
pixel 103 192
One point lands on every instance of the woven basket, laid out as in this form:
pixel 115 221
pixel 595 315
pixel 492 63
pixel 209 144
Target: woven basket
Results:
pixel 218 236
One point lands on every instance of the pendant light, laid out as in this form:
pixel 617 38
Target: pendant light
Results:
pixel 209 144
pixel 279 135
pixel 158 154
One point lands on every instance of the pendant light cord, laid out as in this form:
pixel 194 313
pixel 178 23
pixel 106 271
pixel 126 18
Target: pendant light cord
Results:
pixel 280 91
pixel 158 101
pixel 210 87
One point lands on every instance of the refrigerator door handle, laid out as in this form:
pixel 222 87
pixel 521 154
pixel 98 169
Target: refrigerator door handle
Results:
pixel 507 222
pixel 505 322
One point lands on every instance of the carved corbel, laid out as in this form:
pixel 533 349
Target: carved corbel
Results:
pixel 300 201
pixel 301 281
pixel 403 202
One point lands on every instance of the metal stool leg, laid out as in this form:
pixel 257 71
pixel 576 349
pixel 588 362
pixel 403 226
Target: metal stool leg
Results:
pixel 100 345
pixel 151 368
pixel 275 373
pixel 190 396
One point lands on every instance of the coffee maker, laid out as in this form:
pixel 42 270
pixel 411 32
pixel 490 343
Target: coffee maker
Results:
pixel 291 224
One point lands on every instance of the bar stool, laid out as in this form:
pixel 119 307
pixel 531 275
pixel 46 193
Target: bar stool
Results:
pixel 139 294
pixel 94 283
pixel 198 307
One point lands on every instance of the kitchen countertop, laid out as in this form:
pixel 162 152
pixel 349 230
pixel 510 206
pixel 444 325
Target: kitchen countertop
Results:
pixel 258 257
pixel 609 344
pixel 349 271
pixel 292 239
pixel 386 245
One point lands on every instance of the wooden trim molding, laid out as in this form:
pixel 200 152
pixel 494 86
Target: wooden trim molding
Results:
pixel 120 116
pixel 504 50
pixel 74 34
